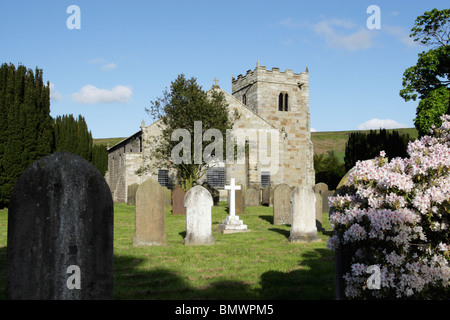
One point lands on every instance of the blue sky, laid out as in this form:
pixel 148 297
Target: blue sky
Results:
pixel 127 52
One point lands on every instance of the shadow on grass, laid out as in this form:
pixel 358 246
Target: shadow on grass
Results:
pixel 283 232
pixel 268 218
pixel 312 279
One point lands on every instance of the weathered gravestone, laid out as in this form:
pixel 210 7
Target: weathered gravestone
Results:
pixel 318 209
pixel 239 202
pixel 252 197
pixel 320 187
pixel 198 202
pixel 265 199
pixel 303 226
pixel 131 193
pixel 168 198
pixel 150 215
pixel 60 232
pixel 178 195
pixel 282 204
pixel 325 204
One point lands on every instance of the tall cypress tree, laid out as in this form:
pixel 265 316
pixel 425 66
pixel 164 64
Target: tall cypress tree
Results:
pixel 3 130
pixel 25 122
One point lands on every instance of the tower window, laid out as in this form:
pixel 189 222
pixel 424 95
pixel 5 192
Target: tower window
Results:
pixel 244 99
pixel 280 102
pixel 283 102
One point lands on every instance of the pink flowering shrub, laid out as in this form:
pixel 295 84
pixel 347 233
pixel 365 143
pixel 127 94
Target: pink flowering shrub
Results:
pixel 397 218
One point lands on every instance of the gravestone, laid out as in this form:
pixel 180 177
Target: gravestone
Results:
pixel 239 200
pixel 282 204
pixel 252 197
pixel 60 232
pixel 303 226
pixel 271 197
pixel 150 215
pixel 320 187
pixel 318 209
pixel 198 202
pixel 265 199
pixel 168 197
pixel 131 193
pixel 325 204
pixel 178 195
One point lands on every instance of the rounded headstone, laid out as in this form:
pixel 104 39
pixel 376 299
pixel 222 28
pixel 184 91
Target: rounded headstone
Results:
pixel 60 221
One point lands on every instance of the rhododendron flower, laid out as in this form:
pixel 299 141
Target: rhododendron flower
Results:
pixel 397 217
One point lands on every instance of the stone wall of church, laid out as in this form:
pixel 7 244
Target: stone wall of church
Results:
pixel 123 160
pixel 262 89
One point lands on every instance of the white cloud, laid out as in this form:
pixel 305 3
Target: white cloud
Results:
pixel 105 65
pixel 54 95
pixel 312 130
pixel 91 94
pixel 381 123
pixel 109 66
pixel 331 30
pixel 401 33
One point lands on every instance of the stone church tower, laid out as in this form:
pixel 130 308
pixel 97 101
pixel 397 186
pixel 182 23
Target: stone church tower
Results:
pixel 282 99
pixel 267 100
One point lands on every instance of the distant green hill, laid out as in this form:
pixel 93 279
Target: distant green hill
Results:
pixel 323 141
pixel 336 140
pixel 109 142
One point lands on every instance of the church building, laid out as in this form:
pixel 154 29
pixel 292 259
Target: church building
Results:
pixel 267 101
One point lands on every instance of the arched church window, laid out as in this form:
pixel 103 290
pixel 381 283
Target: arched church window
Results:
pixel 244 99
pixel 280 102
pixel 283 102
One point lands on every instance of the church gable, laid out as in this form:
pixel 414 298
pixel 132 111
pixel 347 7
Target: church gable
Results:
pixel 247 118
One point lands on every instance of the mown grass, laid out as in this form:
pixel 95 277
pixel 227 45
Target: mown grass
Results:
pixel 261 264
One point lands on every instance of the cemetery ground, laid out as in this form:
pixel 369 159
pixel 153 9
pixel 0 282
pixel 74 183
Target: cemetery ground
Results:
pixel 260 264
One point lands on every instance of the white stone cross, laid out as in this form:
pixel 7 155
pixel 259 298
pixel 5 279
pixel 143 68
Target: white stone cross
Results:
pixel 232 187
pixel 216 80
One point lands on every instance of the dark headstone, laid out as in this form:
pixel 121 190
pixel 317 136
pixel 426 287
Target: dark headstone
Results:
pixel 60 232
pixel 178 195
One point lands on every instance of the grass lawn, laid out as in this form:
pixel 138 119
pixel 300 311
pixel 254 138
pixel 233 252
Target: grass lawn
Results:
pixel 261 264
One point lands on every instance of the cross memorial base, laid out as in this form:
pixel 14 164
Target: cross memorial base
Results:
pixel 232 224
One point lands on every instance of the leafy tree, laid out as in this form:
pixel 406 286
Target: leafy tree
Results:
pixel 328 169
pixel 431 75
pixel 430 110
pixel 179 108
